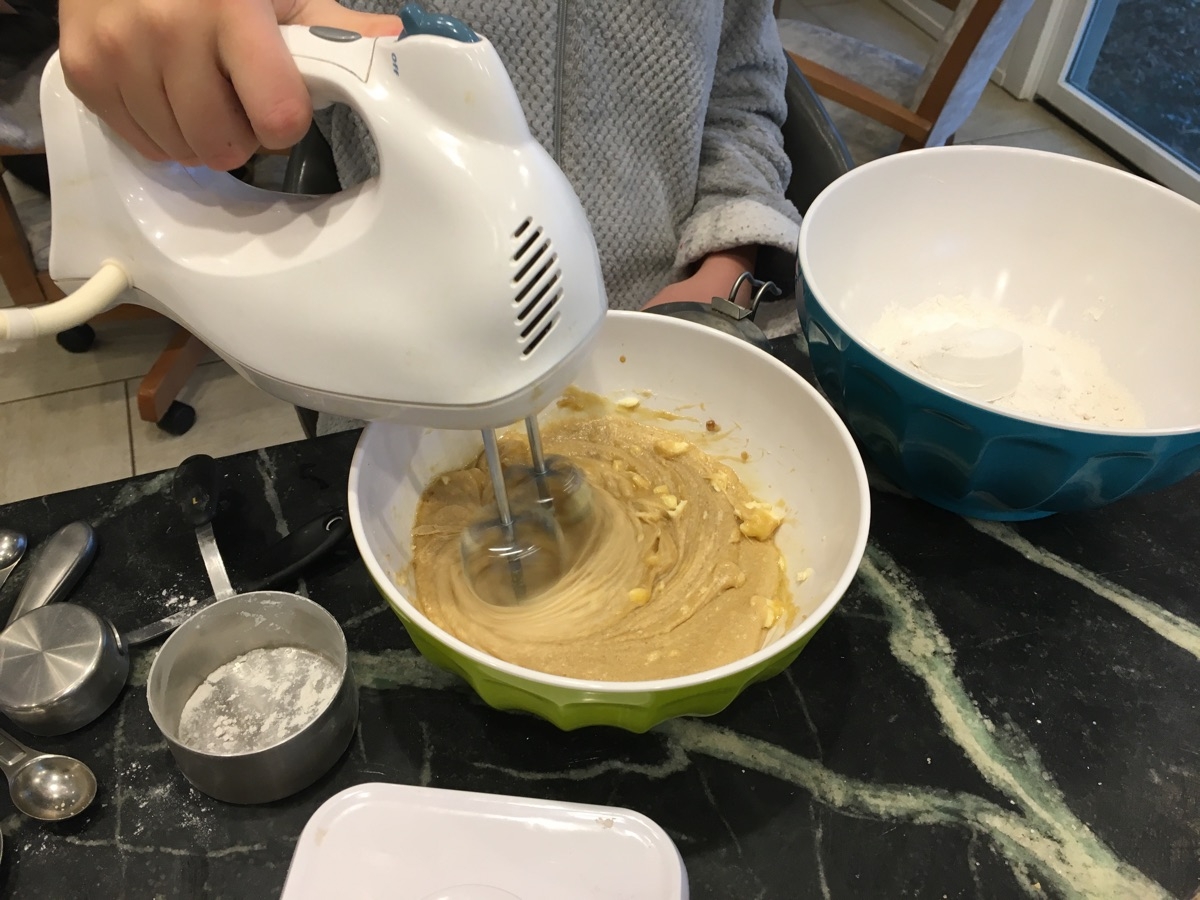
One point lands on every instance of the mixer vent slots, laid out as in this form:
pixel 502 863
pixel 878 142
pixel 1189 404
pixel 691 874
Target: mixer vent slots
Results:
pixel 538 285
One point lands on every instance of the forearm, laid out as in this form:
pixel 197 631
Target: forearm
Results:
pixel 743 168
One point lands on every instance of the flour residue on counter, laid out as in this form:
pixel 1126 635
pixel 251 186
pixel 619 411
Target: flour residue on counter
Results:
pixel 257 700
pixel 963 343
pixel 674 569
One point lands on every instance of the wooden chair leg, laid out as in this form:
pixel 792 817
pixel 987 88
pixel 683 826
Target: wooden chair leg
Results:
pixel 50 290
pixel 168 375
pixel 126 312
pixel 16 260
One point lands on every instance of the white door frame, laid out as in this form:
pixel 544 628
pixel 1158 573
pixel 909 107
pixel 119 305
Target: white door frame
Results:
pixel 1075 104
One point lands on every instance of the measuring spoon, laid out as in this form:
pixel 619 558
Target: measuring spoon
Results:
pixel 12 548
pixel 57 567
pixel 45 786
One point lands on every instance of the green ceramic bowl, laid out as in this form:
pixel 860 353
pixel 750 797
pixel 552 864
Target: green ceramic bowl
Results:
pixel 799 453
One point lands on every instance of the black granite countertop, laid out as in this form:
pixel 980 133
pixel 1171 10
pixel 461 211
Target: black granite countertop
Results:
pixel 992 711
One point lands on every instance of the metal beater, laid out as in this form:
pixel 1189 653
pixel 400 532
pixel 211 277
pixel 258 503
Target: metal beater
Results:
pixel 522 552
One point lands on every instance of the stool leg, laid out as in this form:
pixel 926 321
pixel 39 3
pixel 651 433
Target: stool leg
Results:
pixel 168 375
pixel 16 260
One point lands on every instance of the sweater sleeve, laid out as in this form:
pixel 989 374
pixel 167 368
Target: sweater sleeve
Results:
pixel 743 170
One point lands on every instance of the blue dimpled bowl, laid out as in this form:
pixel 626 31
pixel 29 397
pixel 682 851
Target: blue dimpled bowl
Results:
pixel 1115 258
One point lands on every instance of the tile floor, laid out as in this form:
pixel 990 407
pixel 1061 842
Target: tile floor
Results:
pixel 70 420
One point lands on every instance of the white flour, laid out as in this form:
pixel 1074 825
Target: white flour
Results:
pixel 257 700
pixel 1063 377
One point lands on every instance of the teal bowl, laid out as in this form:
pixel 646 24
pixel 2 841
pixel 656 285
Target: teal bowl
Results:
pixel 798 453
pixel 1111 258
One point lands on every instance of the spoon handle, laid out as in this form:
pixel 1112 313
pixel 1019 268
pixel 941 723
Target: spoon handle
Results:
pixel 13 754
pixel 57 568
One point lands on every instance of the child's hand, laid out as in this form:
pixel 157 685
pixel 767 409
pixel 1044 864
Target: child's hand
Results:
pixel 714 278
pixel 198 81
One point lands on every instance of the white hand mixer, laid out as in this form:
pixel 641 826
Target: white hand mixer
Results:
pixel 461 288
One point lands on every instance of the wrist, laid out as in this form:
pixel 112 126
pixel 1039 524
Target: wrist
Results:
pixel 718 271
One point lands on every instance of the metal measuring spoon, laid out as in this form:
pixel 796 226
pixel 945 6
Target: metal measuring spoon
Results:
pixel 57 567
pixel 45 786
pixel 12 548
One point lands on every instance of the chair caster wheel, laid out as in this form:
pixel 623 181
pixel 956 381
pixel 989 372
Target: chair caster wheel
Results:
pixel 178 419
pixel 78 339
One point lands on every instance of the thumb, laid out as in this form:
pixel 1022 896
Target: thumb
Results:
pixel 333 14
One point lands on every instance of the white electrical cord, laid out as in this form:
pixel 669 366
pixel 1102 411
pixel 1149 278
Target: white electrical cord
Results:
pixel 19 323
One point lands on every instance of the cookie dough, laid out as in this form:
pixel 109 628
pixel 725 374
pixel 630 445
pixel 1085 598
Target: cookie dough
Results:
pixel 674 569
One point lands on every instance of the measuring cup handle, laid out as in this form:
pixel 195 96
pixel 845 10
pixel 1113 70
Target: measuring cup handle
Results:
pixel 57 568
pixel 196 487
pixel 12 753
pixel 302 547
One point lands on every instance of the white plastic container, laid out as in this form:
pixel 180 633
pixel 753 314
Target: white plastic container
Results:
pixel 403 842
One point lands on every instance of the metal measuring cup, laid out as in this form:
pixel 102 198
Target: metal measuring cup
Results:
pixel 59 662
pixel 63 665
pixel 234 625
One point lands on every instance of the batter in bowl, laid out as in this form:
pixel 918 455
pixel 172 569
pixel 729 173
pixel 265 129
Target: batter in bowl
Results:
pixel 674 571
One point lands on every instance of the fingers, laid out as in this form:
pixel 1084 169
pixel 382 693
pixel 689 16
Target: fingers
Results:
pixel 266 79
pixel 144 97
pixel 199 81
pixel 110 107
pixel 84 48
pixel 195 82
pixel 211 121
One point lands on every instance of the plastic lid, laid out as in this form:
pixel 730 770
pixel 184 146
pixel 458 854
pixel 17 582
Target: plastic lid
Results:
pixel 399 841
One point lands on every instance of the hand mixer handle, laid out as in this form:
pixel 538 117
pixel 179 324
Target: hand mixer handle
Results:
pixel 437 78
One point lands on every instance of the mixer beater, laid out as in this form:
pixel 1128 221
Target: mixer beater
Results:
pixel 523 551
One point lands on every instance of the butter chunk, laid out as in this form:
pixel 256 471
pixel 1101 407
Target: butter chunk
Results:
pixel 758 522
pixel 773 609
pixel 639 596
pixel 629 403
pixel 678 510
pixel 649 514
pixel 719 480
pixel 671 449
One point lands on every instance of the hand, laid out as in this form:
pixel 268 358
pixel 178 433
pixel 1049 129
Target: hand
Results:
pixel 197 81
pixel 713 278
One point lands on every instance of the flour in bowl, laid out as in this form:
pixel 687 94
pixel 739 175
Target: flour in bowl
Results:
pixel 257 700
pixel 1059 376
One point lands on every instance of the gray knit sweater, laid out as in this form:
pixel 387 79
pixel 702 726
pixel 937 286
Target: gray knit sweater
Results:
pixel 664 115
